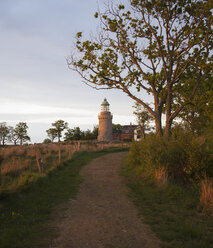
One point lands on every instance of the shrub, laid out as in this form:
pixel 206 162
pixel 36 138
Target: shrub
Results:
pixel 206 197
pixel 133 157
pixel 197 159
pixel 161 177
pixel 187 157
pixel 175 159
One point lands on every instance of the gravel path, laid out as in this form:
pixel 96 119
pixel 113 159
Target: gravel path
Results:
pixel 102 216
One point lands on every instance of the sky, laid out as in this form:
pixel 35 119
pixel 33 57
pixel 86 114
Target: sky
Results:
pixel 36 86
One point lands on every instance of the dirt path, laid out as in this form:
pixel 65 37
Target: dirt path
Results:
pixel 102 216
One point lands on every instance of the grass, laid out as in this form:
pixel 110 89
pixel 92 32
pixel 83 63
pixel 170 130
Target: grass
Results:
pixel 19 164
pixel 172 212
pixel 206 197
pixel 24 213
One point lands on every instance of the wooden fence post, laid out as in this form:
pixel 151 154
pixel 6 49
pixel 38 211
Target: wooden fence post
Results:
pixel 40 165
pixel 39 161
pixel 79 145
pixel 59 154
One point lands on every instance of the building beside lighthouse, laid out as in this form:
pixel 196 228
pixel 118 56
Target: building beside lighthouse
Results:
pixel 105 122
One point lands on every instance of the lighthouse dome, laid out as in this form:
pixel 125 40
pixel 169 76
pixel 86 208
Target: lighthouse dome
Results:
pixel 105 106
pixel 105 102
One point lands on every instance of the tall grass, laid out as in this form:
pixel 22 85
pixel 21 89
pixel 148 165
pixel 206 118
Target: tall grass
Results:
pixel 206 197
pixel 161 177
pixel 173 212
pixel 21 165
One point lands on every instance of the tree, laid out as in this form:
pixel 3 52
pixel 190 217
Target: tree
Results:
pixel 145 48
pixel 12 136
pixel 198 113
pixel 52 133
pixel 143 118
pixel 47 141
pixel 116 128
pixel 59 126
pixel 4 132
pixel 95 132
pixel 77 134
pixel 73 134
pixel 21 132
pixel 90 135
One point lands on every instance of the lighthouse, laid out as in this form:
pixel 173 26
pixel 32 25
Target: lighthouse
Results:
pixel 105 122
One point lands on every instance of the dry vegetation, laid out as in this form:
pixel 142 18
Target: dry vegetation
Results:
pixel 20 164
pixel 186 160
pixel 206 197
pixel 161 176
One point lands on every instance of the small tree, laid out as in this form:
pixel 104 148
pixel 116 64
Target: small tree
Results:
pixel 90 135
pixel 95 132
pixel 116 128
pixel 74 134
pixel 86 135
pixel 21 132
pixel 143 118
pixel 12 136
pixel 68 135
pixel 47 141
pixel 52 133
pixel 4 132
pixel 59 126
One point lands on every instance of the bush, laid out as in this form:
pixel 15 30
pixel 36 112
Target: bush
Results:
pixel 206 197
pixel 186 157
pixel 176 159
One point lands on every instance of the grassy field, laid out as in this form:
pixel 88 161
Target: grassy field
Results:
pixel 172 211
pixel 20 164
pixel 24 212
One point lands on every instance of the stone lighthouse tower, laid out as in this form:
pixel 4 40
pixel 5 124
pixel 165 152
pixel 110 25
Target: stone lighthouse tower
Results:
pixel 105 123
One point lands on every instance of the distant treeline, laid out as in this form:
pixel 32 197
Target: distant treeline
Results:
pixel 56 131
pixel 18 135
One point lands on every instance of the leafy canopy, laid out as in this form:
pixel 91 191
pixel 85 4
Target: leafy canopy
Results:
pixel 145 47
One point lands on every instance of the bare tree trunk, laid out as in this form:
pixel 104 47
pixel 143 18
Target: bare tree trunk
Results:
pixel 167 132
pixel 169 120
pixel 158 125
pixel 143 132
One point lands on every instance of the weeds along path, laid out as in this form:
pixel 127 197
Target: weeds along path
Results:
pixel 101 216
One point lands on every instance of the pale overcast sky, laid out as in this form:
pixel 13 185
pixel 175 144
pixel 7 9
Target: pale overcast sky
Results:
pixel 36 85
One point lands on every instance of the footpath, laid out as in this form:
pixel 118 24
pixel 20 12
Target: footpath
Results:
pixel 102 215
